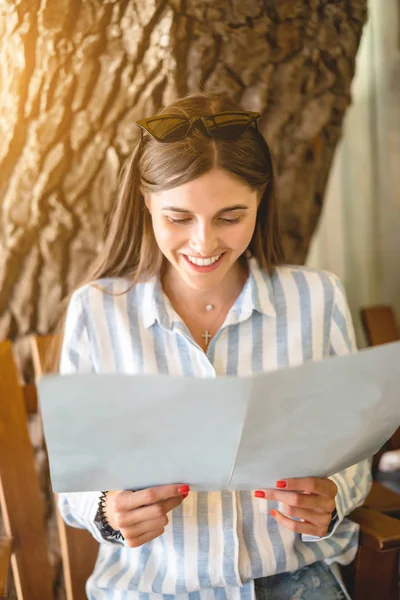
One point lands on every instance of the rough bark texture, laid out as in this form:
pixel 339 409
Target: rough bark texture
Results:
pixel 77 74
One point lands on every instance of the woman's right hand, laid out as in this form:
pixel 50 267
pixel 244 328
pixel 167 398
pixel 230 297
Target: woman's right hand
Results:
pixel 142 516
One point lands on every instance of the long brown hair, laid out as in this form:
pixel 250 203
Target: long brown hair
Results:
pixel 130 249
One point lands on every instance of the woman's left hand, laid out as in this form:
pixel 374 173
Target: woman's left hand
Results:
pixel 310 499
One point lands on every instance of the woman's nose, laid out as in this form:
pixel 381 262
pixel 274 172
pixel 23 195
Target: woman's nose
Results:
pixel 203 241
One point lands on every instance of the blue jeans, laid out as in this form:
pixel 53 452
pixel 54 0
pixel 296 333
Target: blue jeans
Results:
pixel 314 582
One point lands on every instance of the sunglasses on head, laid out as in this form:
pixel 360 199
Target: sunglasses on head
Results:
pixel 226 125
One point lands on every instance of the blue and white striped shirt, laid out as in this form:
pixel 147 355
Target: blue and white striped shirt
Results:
pixel 216 543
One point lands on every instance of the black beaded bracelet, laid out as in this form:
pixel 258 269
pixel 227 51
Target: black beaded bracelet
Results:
pixel 108 530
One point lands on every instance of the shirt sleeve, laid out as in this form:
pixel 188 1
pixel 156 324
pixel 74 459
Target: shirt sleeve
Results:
pixel 79 509
pixel 353 483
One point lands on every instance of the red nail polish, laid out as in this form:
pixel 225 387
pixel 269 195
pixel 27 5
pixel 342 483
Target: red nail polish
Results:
pixel 183 489
pixel 185 495
pixel 280 484
pixel 272 513
pixel 259 494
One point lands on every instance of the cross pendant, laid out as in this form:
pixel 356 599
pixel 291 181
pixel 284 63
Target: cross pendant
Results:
pixel 207 337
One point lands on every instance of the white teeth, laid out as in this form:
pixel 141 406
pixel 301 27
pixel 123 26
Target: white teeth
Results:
pixel 204 262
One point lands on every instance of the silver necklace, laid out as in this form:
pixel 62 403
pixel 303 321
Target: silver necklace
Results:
pixel 207 336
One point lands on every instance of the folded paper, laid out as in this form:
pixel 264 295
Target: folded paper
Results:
pixel 118 431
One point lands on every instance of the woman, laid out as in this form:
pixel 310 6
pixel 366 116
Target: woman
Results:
pixel 189 283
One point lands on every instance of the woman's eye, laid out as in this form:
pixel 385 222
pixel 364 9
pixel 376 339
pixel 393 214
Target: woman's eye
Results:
pixel 231 221
pixel 222 220
pixel 178 221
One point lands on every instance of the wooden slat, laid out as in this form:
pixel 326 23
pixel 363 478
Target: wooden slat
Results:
pixel 79 552
pixel 383 499
pixel 377 531
pixel 381 328
pixel 30 397
pixel 20 497
pixel 379 325
pixel 5 565
pixel 78 548
pixel 43 349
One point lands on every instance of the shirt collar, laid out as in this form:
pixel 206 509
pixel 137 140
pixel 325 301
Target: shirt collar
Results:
pixel 257 294
pixel 153 304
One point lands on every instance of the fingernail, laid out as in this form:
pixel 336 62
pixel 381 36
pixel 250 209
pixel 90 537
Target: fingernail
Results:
pixel 183 489
pixel 272 513
pixel 185 495
pixel 259 494
pixel 280 484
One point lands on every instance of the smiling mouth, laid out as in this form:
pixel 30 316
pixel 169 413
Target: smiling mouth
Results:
pixel 203 262
pixel 204 265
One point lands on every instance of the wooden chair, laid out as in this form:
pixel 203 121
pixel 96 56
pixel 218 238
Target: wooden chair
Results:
pixel 21 503
pixel 372 575
pixel 25 546
pixel 78 547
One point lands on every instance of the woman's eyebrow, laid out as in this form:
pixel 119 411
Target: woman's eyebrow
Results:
pixel 223 210
pixel 234 207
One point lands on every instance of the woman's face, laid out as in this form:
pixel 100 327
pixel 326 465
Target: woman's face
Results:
pixel 203 226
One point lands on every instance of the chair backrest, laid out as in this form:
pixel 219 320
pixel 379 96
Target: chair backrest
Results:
pixel 78 548
pixel 379 325
pixel 381 328
pixel 21 501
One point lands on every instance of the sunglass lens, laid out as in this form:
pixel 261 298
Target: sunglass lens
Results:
pixel 168 129
pixel 227 125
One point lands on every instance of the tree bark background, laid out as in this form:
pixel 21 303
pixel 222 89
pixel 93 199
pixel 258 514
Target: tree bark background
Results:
pixel 75 76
